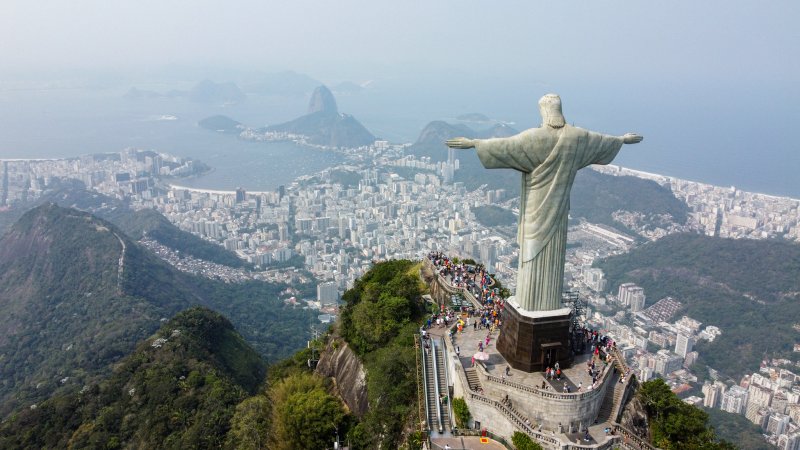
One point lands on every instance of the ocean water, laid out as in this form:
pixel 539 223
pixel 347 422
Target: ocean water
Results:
pixel 64 123
pixel 724 135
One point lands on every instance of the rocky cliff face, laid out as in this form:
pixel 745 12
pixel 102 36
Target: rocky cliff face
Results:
pixel 322 100
pixel 342 364
pixel 634 417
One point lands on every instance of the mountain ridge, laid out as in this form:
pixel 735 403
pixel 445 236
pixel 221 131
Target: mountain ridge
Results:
pixel 76 294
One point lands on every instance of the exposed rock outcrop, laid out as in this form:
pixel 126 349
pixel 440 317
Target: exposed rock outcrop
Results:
pixel 342 364
pixel 634 417
pixel 322 100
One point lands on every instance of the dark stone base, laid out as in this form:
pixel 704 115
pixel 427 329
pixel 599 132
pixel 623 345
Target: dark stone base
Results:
pixel 531 344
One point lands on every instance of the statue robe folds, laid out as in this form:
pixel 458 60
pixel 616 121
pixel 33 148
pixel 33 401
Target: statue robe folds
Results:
pixel 548 158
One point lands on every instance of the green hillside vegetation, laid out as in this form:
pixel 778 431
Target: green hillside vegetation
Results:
pixel 709 275
pixel 304 413
pixel 179 389
pixel 382 312
pixel 595 196
pixel 675 424
pixel 494 216
pixel 66 312
pixel 347 178
pixel 738 429
pixel 151 223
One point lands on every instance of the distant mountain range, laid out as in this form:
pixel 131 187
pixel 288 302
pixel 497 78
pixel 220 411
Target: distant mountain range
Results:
pixel 286 83
pixel 206 91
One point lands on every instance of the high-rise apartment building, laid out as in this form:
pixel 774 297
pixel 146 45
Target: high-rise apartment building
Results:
pixel 713 394
pixel 631 295
pixel 757 397
pixel 735 400
pixel 327 292
pixel 683 345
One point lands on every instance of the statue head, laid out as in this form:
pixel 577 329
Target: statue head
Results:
pixel 550 108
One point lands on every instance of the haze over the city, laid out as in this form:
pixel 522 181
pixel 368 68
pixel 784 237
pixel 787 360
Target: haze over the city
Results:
pixel 711 85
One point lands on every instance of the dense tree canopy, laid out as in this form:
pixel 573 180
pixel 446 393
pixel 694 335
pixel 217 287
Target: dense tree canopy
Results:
pixel 179 389
pixel 675 424
pixel 304 414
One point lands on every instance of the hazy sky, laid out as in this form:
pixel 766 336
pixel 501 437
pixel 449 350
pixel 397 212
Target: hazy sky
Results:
pixel 741 40
pixel 713 85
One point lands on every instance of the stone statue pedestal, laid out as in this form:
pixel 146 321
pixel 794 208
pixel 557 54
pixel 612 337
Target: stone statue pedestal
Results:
pixel 533 340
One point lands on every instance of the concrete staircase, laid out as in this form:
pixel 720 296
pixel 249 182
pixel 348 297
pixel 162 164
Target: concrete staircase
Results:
pixel 472 379
pixel 609 410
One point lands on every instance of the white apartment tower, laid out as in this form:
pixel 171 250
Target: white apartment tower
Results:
pixel 735 400
pixel 683 345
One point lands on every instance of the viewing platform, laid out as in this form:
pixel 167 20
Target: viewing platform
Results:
pixel 557 413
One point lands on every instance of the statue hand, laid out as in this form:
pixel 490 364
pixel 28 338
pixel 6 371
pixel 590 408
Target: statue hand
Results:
pixel 631 138
pixel 461 143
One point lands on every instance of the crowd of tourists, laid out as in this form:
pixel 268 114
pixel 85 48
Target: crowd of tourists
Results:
pixel 473 278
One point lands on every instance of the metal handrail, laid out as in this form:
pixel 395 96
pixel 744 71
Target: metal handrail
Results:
pixel 436 387
pixel 447 382
pixel 425 383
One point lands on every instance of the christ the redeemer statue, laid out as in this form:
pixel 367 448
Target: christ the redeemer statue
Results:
pixel 548 157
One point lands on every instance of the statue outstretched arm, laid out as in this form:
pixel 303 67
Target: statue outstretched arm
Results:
pixel 461 143
pixel 631 138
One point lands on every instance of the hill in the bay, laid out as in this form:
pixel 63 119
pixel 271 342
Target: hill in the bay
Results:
pixel 208 91
pixel 177 389
pixel 432 137
pixel 221 124
pixel 748 288
pixel 76 294
pixel 325 125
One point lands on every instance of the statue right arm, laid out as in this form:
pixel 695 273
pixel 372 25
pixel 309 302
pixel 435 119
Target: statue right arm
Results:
pixel 508 153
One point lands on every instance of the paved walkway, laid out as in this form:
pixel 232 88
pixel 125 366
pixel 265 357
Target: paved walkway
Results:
pixel 467 342
pixel 465 442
